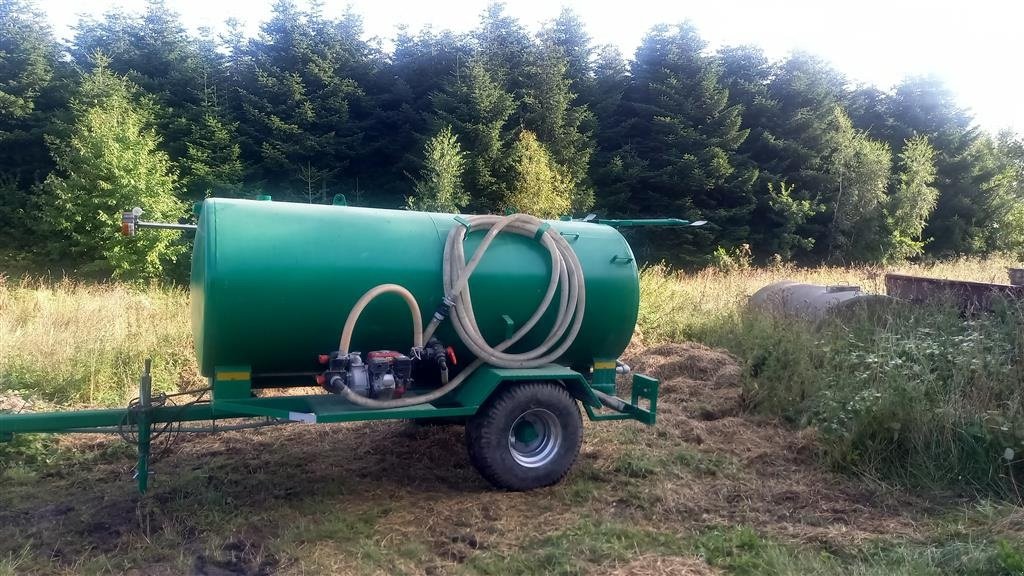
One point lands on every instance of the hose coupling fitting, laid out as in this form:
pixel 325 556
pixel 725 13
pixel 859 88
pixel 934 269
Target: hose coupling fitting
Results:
pixel 444 309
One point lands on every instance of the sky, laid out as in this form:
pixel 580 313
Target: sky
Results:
pixel 975 47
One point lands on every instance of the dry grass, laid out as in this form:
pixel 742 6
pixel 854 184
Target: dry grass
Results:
pixel 78 343
pixel 677 306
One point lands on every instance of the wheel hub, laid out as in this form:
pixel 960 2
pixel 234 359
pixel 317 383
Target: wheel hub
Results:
pixel 535 438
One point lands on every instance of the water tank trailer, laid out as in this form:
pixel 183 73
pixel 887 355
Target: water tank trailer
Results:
pixel 503 323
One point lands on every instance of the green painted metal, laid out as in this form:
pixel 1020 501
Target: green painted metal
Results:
pixel 603 377
pixel 145 426
pixel 272 283
pixel 486 379
pixel 325 407
pixel 637 222
pixel 232 382
pixel 316 408
pixel 643 388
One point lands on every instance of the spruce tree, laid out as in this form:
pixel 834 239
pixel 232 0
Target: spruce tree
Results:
pixel 547 110
pixel 156 53
pixel 681 125
pixel 29 99
pixel 421 66
pixel 913 199
pixel 439 187
pixel 212 165
pixel 109 161
pixel 568 35
pixel 615 168
pixel 478 110
pixel 965 168
pixel 537 184
pixel 300 100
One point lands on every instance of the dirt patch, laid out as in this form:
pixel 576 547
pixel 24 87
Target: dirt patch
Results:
pixel 237 557
pixel 774 482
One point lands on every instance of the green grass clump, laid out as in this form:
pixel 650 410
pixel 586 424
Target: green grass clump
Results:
pixel 920 395
pixel 575 550
pixel 917 394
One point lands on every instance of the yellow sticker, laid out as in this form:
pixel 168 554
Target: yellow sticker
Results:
pixel 604 365
pixel 229 376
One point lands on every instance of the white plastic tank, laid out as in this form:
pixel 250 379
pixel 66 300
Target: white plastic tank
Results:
pixel 813 301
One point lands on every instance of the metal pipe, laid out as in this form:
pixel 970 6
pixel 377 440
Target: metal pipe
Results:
pixel 188 430
pixel 637 222
pixel 165 225
pixel 613 402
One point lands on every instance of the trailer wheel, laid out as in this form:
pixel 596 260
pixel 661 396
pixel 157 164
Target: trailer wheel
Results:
pixel 526 436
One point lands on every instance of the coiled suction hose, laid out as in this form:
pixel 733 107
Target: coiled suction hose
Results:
pixel 566 280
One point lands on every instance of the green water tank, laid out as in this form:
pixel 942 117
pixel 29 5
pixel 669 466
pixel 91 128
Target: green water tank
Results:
pixel 273 282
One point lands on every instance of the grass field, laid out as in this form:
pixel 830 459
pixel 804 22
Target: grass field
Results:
pixel 763 461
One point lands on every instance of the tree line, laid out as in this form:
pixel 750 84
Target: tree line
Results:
pixel 786 158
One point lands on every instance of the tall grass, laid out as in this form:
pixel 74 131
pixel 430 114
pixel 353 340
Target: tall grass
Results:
pixel 919 394
pixel 75 343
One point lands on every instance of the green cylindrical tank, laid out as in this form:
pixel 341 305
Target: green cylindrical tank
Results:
pixel 273 282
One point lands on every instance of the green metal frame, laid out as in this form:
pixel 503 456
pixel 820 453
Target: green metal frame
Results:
pixel 232 398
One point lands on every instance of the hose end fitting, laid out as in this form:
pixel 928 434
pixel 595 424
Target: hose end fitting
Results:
pixel 444 309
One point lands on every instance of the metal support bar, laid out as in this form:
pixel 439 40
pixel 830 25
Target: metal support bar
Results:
pixel 145 425
pixel 644 387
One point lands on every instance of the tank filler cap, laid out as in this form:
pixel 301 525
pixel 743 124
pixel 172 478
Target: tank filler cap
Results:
pixel 836 288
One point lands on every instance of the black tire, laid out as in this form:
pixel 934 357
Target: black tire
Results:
pixel 499 439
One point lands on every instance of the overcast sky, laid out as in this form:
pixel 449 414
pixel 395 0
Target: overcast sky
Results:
pixel 977 47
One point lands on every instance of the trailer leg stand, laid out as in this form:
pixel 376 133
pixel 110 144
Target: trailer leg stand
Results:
pixel 145 426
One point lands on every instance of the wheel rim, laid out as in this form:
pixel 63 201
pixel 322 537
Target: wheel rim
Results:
pixel 535 438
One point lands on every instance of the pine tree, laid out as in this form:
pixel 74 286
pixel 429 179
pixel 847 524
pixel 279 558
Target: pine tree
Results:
pixel 538 185
pixel 504 48
pixel 1008 237
pixel 156 53
pixel 787 214
pixel 421 66
pixel 478 110
pixel 299 99
pixel 439 187
pixel 29 86
pixel 568 35
pixel 536 75
pixel 547 110
pixel 778 221
pixel 615 169
pixel 998 217
pixel 913 200
pixel 212 165
pixel 679 123
pixel 965 168
pixel 109 161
